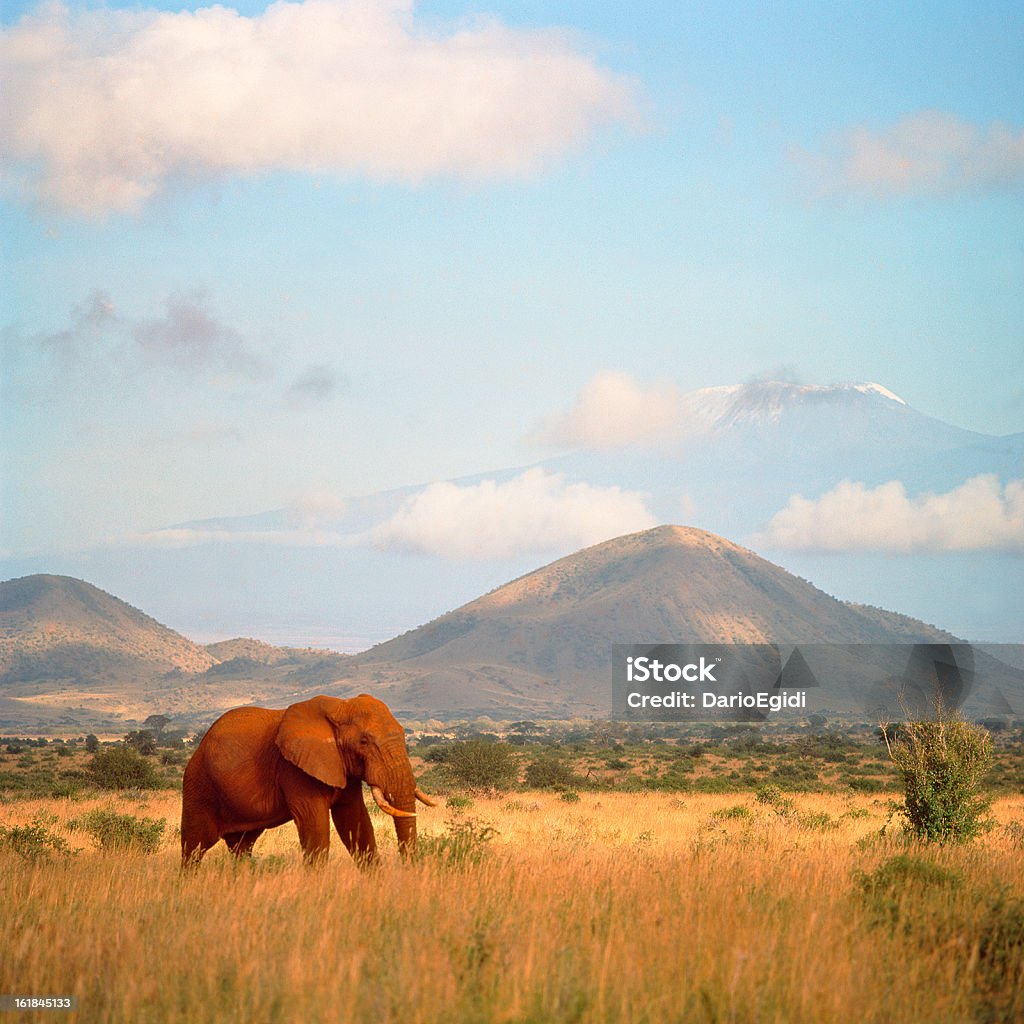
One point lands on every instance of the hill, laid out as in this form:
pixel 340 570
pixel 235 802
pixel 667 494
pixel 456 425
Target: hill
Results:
pixel 541 645
pixel 53 626
pixel 74 656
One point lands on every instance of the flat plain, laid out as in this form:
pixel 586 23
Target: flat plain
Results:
pixel 530 907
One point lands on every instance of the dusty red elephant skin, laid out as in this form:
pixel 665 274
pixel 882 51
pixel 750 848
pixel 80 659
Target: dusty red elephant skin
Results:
pixel 257 768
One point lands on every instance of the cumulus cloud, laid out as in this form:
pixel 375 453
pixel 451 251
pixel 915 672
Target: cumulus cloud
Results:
pixel 931 152
pixel 102 108
pixel 980 515
pixel 535 512
pixel 613 410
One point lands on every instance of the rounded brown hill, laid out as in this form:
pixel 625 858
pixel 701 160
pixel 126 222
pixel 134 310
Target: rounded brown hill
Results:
pixel 672 583
pixel 545 638
pixel 59 626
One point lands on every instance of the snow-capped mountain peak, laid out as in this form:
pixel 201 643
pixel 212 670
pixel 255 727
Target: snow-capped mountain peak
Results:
pixel 716 408
pixel 870 388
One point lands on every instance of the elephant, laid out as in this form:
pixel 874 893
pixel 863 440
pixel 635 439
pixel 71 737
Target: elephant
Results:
pixel 258 768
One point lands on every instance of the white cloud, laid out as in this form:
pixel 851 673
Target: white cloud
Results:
pixel 977 516
pixel 532 513
pixel 931 152
pixel 103 107
pixel 613 411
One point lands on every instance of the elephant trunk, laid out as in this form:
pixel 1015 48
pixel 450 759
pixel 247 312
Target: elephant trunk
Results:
pixel 394 790
pixel 405 830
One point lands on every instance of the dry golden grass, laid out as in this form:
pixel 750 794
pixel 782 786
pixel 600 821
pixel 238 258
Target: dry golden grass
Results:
pixel 619 907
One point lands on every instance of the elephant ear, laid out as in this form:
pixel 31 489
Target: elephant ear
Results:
pixel 306 738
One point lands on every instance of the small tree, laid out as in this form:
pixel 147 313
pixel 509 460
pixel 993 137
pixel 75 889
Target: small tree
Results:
pixel 157 723
pixel 482 764
pixel 123 768
pixel 942 762
pixel 550 773
pixel 141 740
pixel 92 743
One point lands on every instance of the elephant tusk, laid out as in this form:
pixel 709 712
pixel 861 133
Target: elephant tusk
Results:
pixel 424 799
pixel 381 801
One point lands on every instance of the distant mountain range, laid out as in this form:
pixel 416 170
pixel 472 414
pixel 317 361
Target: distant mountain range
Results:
pixel 72 656
pixel 729 460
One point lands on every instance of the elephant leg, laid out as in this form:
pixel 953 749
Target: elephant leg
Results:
pixel 196 839
pixel 314 835
pixel 240 843
pixel 352 823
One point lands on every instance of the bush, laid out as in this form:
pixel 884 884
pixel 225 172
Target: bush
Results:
pixel 999 933
pixel 549 773
pixel 464 843
pixel 894 893
pixel 727 813
pixel 113 831
pixel 141 740
pixel 482 764
pixel 929 904
pixel 768 793
pixel 34 842
pixel 942 763
pixel 818 821
pixel 123 768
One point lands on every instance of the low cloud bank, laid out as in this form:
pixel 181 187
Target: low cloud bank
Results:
pixel 980 515
pixel 534 513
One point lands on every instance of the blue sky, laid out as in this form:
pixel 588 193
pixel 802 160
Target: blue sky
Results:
pixel 236 278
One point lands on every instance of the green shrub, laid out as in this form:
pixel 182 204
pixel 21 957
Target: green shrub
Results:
pixel 549 773
pixel 65 789
pixel 112 831
pixel 728 813
pixel 569 796
pixel 942 763
pixel 123 768
pixel 464 843
pixel 482 764
pixel 35 842
pixel 896 890
pixel 818 821
pixel 458 802
pixel 772 796
pixel 863 784
pixel 768 793
pixel 999 933
pixel 927 903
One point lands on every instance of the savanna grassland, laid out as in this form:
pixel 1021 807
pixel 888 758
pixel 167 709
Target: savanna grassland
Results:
pixel 573 902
